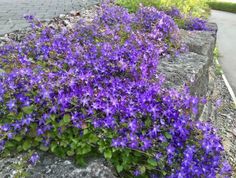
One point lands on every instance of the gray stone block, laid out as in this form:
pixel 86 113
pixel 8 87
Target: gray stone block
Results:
pixel 200 42
pixel 50 166
pixel 188 68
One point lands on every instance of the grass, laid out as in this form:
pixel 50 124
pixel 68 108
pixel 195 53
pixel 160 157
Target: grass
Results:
pixel 196 8
pixel 133 5
pixel 223 6
pixel 218 69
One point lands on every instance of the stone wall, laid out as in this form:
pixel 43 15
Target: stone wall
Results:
pixel 192 68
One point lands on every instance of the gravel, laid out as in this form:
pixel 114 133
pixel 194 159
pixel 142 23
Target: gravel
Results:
pixel 225 120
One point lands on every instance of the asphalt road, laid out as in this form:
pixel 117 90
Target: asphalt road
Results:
pixel 226 41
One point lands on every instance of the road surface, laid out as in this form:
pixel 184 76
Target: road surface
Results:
pixel 226 41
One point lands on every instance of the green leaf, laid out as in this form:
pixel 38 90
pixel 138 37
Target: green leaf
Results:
pixel 11 116
pixel 148 122
pixel 108 154
pixel 53 146
pixel 142 169
pixel 43 148
pixel 73 146
pixel 119 168
pixel 163 172
pixel 100 149
pixel 66 118
pixel 18 138
pixel 168 135
pixel 2 71
pixel 59 151
pixel 20 115
pixel 38 139
pixel 86 131
pixel 9 145
pixel 74 140
pixel 152 162
pixel 53 117
pixel 19 148
pixel 80 161
pixel 70 153
pixel 26 145
pixel 28 109
pixel 64 143
pixel 86 149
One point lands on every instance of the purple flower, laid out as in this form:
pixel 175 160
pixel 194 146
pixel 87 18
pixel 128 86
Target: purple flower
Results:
pixel 27 120
pixel 2 144
pixel 226 168
pixel 34 159
pixel 11 104
pixel 133 125
pixel 40 131
pixel 218 103
pixel 137 172
pixel 17 126
pixel 170 150
pixel 115 143
pixel 5 127
pixel 147 143
pixel 154 132
pixel 158 156
pixel 10 136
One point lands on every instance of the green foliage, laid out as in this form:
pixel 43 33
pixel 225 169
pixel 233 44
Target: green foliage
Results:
pixel 218 69
pixel 223 6
pixel 87 142
pixel 133 5
pixel 196 8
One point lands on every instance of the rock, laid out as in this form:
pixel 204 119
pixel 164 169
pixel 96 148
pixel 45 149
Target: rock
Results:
pixel 213 27
pixel 50 166
pixel 75 13
pixel 188 68
pixel 62 15
pixel 200 42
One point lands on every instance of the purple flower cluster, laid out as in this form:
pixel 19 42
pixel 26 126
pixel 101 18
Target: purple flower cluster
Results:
pixel 196 24
pixel 187 22
pixel 34 158
pixel 103 75
pixel 174 13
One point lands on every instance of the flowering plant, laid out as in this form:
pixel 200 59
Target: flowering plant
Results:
pixel 94 89
pixel 187 22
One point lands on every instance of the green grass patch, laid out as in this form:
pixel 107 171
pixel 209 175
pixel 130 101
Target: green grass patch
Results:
pixel 133 5
pixel 223 6
pixel 218 69
pixel 196 8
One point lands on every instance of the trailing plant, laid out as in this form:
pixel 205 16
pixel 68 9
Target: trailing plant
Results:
pixel 183 20
pixel 187 22
pixel 94 89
